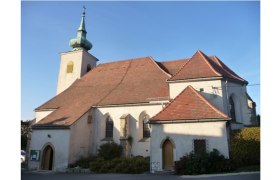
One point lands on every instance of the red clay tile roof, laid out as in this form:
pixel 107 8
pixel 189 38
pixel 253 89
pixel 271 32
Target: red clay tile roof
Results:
pixel 122 82
pixel 128 82
pixel 201 66
pixel 189 105
pixel 173 66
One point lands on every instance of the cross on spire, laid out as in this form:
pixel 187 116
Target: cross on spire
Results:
pixel 84 12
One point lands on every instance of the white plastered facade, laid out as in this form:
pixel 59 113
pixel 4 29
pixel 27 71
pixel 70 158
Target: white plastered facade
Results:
pixel 140 146
pixel 58 139
pixel 182 135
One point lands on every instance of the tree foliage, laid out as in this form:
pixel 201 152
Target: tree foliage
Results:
pixel 25 132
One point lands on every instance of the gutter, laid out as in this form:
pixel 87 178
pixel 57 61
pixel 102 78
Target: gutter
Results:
pixel 35 127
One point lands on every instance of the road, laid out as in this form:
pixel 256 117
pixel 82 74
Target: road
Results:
pixel 68 176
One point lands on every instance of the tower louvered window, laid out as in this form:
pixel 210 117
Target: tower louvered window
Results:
pixel 70 66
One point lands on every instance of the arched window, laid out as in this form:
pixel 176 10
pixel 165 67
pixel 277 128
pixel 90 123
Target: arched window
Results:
pixel 146 128
pixel 232 109
pixel 88 67
pixel 109 127
pixel 70 66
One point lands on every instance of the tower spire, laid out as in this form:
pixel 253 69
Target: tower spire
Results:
pixel 80 42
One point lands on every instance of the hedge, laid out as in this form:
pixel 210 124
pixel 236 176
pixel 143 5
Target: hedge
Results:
pixel 245 146
pixel 133 165
pixel 203 163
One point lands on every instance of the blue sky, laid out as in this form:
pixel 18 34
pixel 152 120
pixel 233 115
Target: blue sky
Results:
pixel 122 30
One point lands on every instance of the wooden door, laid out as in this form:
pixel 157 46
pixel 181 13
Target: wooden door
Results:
pixel 47 159
pixel 167 155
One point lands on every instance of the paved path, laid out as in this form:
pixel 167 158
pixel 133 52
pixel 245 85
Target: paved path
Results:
pixel 68 176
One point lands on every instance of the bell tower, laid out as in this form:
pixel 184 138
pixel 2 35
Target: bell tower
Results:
pixel 77 62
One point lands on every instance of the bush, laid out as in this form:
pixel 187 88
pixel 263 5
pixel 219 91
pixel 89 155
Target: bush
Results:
pixel 133 165
pixel 245 147
pixel 203 163
pixel 110 151
pixel 83 162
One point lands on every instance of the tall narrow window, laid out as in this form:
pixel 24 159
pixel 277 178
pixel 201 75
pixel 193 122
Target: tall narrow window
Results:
pixel 109 127
pixel 146 129
pixel 199 145
pixel 70 66
pixel 88 67
pixel 232 110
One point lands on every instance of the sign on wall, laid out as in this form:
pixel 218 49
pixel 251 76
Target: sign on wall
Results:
pixel 35 155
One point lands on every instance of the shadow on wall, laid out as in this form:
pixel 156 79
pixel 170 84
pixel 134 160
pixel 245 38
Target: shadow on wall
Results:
pixel 185 142
pixel 136 147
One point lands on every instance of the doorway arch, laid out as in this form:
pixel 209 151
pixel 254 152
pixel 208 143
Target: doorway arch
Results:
pixel 167 155
pixel 47 158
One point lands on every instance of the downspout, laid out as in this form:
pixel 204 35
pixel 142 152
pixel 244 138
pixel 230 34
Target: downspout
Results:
pixel 227 97
pixel 228 124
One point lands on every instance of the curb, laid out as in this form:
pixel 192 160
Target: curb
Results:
pixel 218 175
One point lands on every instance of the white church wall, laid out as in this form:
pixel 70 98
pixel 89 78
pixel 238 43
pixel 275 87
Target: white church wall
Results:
pixel 182 135
pixel 238 91
pixel 58 139
pixel 80 138
pixel 41 114
pixel 212 91
pixel 138 147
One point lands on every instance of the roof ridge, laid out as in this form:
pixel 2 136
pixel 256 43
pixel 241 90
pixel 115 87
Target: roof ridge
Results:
pixel 152 59
pixel 206 101
pixel 123 60
pixel 207 62
pixel 171 101
pixel 231 73
pixel 180 69
pixel 199 96
pixel 217 61
pixel 186 59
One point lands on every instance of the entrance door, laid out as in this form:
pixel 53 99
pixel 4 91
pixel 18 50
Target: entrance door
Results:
pixel 47 158
pixel 167 155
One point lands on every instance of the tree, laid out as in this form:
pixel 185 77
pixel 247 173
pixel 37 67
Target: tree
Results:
pixel 25 132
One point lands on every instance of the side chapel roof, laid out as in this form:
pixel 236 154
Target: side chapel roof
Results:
pixel 189 105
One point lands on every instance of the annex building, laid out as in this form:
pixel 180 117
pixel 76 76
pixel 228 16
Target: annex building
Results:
pixel 158 109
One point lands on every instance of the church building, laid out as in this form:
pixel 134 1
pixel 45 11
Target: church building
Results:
pixel 158 109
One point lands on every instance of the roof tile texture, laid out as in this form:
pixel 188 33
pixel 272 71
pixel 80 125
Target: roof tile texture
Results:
pixel 123 82
pixel 133 81
pixel 201 66
pixel 189 105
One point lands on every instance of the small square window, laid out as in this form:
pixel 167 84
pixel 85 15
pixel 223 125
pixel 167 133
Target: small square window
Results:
pixel 199 146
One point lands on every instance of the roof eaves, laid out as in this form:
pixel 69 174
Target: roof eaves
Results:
pixel 187 121
pixel 37 126
pixel 196 79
